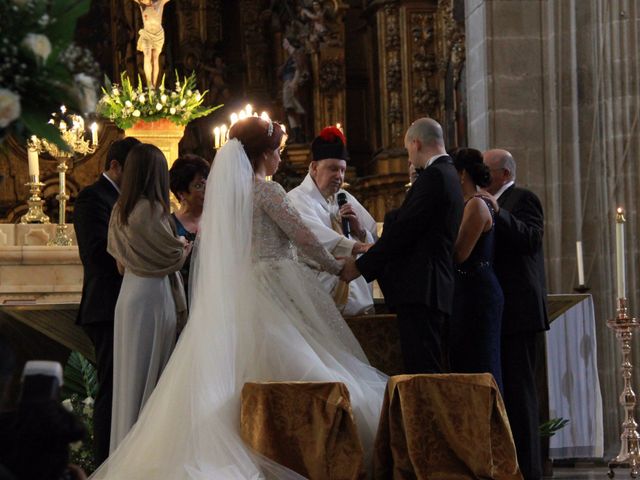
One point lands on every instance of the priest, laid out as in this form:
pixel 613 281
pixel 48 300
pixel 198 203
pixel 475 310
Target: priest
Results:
pixel 339 221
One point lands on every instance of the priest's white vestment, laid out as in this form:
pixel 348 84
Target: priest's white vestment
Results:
pixel 316 211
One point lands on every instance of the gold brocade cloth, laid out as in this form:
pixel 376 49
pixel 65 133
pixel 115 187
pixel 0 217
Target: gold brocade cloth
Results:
pixel 305 426
pixel 444 427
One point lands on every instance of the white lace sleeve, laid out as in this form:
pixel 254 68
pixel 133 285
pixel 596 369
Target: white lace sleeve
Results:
pixel 273 200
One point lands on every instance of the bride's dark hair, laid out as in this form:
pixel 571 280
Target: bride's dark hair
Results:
pixel 470 159
pixel 253 133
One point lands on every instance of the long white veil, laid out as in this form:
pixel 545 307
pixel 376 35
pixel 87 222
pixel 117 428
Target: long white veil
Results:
pixel 189 428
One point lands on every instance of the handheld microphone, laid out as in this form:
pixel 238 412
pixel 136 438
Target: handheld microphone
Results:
pixel 342 199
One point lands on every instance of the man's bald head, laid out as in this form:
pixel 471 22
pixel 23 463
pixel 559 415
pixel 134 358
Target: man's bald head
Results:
pixel 423 140
pixel 427 130
pixel 502 167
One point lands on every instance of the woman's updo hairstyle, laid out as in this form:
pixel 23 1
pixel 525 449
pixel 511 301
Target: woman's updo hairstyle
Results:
pixel 253 133
pixel 470 160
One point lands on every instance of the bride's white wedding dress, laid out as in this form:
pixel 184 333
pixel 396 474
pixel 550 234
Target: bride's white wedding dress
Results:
pixel 256 315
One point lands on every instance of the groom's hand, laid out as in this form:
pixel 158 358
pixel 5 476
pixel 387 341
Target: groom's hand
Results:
pixel 350 270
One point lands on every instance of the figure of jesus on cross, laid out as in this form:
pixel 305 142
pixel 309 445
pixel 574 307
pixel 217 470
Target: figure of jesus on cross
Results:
pixel 151 37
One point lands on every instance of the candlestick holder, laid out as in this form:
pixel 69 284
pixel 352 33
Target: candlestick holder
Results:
pixel 61 237
pixel 629 457
pixel 35 214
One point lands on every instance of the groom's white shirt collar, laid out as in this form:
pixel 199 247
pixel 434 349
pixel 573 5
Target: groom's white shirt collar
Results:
pixel 111 182
pixel 434 158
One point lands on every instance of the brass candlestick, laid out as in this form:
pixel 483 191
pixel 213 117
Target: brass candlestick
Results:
pixel 629 456
pixel 73 134
pixel 35 214
pixel 62 238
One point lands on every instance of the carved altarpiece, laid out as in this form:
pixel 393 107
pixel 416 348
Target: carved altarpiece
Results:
pixel 410 56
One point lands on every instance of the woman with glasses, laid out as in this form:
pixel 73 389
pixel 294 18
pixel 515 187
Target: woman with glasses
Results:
pixel 188 178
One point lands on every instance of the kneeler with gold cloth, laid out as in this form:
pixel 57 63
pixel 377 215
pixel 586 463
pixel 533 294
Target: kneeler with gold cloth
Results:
pixel 444 427
pixel 305 426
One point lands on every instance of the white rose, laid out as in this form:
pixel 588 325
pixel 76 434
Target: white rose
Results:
pixel 9 107
pixel 128 104
pixel 189 93
pixel 141 99
pixel 89 401
pixel 66 403
pixel 136 113
pixel 115 91
pixel 163 98
pixel 183 102
pixel 39 45
pixel 158 106
pixel 198 96
pixel 172 111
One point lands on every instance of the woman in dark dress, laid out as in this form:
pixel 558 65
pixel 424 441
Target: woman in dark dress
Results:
pixel 478 301
pixel 188 177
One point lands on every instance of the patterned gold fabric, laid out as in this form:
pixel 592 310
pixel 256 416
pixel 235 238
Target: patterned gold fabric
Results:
pixel 305 426
pixel 444 427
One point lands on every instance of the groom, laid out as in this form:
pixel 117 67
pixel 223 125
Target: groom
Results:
pixel 414 256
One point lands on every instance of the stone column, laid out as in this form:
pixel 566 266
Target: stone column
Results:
pixel 557 84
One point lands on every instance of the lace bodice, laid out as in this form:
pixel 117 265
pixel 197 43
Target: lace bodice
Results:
pixel 278 229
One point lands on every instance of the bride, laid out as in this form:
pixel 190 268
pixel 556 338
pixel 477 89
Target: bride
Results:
pixel 256 315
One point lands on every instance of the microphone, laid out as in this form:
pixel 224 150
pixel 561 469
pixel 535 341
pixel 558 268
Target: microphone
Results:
pixel 342 199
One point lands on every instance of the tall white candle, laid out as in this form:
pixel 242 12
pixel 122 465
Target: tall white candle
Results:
pixel 216 137
pixel 63 182
pixel 223 134
pixel 34 166
pixel 94 134
pixel 580 262
pixel 620 274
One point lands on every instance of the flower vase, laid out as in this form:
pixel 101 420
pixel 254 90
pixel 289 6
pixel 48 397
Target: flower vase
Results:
pixel 162 133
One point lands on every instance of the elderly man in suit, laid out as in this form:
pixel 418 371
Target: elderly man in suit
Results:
pixel 519 265
pixel 101 284
pixel 414 256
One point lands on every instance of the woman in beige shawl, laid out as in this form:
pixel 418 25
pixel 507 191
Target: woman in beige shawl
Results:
pixel 151 301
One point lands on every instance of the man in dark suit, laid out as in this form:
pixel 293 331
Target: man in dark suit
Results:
pixel 414 256
pixel 102 281
pixel 519 265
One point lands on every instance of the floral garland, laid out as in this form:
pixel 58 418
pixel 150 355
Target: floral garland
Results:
pixel 126 105
pixel 36 71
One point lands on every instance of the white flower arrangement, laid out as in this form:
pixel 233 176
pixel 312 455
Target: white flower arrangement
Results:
pixel 126 105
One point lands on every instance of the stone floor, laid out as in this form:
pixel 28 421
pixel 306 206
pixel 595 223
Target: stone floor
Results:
pixel 587 473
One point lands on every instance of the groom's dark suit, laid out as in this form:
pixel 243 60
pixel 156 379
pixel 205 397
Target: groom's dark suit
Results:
pixel 519 265
pixel 100 289
pixel 414 260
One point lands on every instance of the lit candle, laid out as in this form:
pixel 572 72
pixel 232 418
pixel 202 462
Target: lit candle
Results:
pixel 620 277
pixel 339 127
pixel 242 115
pixel 223 134
pixel 264 116
pixel 63 109
pixel 233 118
pixel 34 167
pixel 216 137
pixel 580 262
pixel 248 109
pixel 94 134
